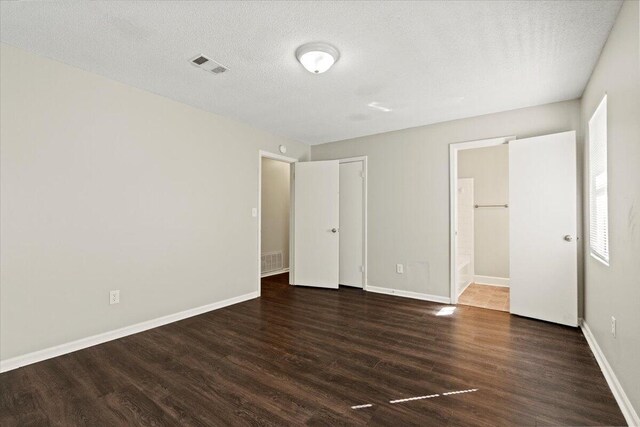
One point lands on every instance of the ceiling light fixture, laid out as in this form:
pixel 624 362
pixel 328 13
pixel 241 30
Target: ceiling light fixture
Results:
pixel 317 57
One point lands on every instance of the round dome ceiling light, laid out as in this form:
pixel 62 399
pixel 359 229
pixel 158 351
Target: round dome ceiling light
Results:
pixel 317 57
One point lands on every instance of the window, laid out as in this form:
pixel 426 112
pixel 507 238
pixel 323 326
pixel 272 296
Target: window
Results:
pixel 598 203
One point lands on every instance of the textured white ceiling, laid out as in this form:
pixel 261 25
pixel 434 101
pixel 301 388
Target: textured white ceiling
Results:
pixel 428 61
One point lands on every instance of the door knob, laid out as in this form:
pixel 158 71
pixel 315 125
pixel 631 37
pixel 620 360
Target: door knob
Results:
pixel 334 230
pixel 568 238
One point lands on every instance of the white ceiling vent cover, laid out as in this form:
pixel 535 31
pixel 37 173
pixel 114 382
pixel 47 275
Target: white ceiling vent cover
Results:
pixel 208 64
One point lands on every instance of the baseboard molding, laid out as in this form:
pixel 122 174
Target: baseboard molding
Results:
pixel 630 415
pixel 408 294
pixel 464 288
pixel 59 350
pixel 273 273
pixel 493 281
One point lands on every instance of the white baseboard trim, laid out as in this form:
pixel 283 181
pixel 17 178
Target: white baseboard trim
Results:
pixel 464 288
pixel 273 273
pixel 493 281
pixel 630 415
pixel 59 350
pixel 408 294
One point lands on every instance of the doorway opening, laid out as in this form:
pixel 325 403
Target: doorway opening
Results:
pixel 274 215
pixel 480 210
pixel 539 198
pixel 482 228
pixel 330 223
pixel 312 221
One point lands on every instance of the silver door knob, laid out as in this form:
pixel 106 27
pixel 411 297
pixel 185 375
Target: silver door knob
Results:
pixel 334 230
pixel 568 238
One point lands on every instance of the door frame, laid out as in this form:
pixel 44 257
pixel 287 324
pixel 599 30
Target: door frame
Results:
pixel 262 154
pixel 365 179
pixel 454 148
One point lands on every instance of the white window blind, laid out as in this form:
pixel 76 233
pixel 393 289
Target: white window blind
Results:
pixel 598 203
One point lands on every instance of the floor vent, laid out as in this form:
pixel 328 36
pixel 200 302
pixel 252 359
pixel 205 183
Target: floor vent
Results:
pixel 271 261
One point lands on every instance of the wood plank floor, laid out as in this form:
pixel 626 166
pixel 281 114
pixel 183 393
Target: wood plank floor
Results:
pixel 306 356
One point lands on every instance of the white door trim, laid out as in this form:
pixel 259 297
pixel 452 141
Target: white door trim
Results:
pixel 365 180
pixel 453 180
pixel 267 155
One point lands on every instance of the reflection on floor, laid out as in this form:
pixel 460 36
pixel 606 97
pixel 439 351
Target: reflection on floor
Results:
pixel 486 296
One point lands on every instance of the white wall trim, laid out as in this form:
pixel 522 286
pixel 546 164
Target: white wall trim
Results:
pixel 59 350
pixel 408 294
pixel 493 281
pixel 453 201
pixel 630 415
pixel 273 273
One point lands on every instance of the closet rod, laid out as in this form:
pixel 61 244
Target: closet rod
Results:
pixel 491 206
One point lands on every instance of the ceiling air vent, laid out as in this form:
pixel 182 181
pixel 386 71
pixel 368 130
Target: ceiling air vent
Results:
pixel 200 60
pixel 208 64
pixel 219 69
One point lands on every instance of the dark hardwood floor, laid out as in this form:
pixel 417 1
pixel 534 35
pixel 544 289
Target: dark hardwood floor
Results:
pixel 306 356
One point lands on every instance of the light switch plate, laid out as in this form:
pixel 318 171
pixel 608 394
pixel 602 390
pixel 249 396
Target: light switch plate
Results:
pixel 254 212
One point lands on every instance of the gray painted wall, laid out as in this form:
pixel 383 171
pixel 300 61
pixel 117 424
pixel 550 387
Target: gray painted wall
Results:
pixel 615 290
pixel 104 186
pixel 489 168
pixel 409 189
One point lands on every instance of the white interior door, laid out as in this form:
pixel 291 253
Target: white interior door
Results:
pixel 542 228
pixel 351 224
pixel 316 223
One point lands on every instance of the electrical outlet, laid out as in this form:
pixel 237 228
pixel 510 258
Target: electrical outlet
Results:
pixel 399 268
pixel 114 297
pixel 613 326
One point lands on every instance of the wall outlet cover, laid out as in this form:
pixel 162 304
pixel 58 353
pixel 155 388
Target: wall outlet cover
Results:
pixel 114 297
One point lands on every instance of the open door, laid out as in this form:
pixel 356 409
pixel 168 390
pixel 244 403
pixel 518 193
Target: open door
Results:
pixel 542 228
pixel 316 217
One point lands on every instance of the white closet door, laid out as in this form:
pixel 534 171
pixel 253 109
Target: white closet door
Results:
pixel 316 224
pixel 351 224
pixel 543 227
